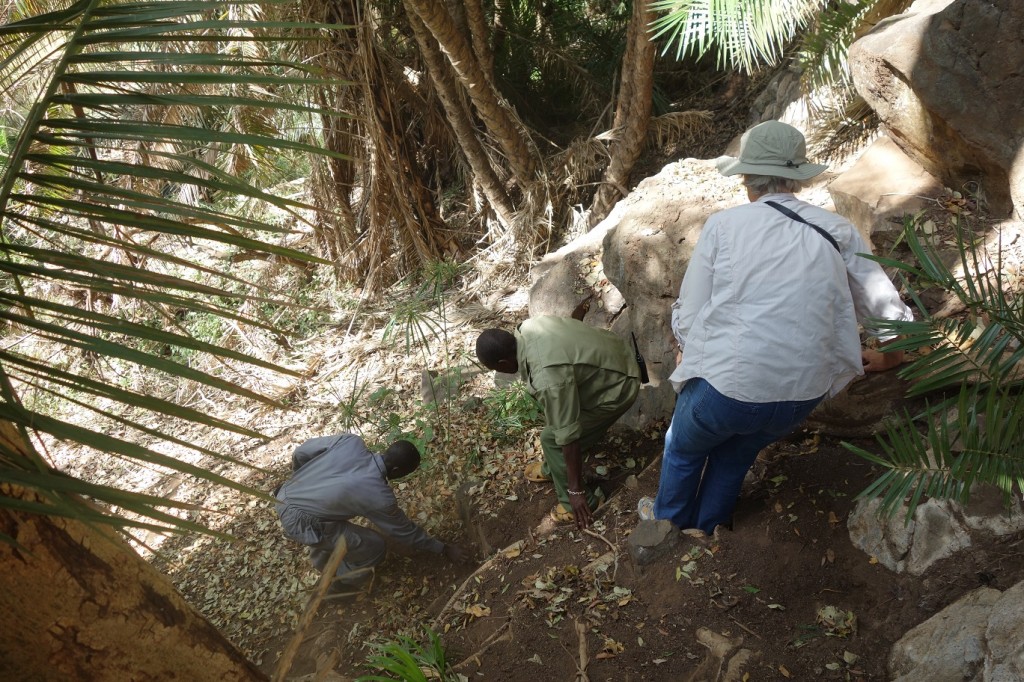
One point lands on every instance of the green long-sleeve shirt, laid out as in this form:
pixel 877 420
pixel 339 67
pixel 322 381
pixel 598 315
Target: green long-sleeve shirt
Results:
pixel 571 368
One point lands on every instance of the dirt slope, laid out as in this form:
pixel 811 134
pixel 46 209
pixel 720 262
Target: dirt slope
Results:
pixel 786 585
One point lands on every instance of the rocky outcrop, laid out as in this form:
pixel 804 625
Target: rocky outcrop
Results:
pixel 979 637
pixel 912 547
pixel 632 263
pixel 947 108
pixel 645 254
pixel 945 78
pixel 906 190
pixel 938 529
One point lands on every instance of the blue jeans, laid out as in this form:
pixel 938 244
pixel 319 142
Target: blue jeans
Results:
pixel 711 443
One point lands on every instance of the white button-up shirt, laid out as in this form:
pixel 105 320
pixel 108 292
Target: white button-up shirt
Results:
pixel 768 310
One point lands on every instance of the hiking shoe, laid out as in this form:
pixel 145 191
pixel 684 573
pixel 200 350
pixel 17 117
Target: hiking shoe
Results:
pixel 534 472
pixel 645 508
pixel 562 514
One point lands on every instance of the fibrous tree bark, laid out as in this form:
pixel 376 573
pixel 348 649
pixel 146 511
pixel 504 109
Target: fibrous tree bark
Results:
pixel 459 119
pixel 632 112
pixel 479 32
pixel 78 603
pixel 498 120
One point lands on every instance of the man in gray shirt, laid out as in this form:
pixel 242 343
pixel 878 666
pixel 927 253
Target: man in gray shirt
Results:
pixel 335 478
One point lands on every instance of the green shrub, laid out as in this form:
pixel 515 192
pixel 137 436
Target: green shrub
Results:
pixel 511 411
pixel 410 661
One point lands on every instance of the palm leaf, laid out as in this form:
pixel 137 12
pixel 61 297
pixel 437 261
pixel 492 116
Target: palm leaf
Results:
pixel 741 33
pixel 974 431
pixel 119 98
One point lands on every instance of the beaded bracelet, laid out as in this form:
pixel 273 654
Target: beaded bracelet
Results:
pixel 576 492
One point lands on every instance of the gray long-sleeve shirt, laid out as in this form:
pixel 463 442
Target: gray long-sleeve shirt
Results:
pixel 335 479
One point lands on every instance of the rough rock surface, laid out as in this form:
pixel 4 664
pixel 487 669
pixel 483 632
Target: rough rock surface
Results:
pixel 979 637
pixel 909 188
pixel 945 79
pixel 646 251
pixel 633 263
pixel 651 540
pixel 937 530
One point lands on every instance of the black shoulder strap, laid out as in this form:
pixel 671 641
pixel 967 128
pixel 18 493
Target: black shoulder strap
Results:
pixel 793 215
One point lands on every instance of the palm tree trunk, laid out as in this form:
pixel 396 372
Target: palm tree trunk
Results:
pixel 398 173
pixel 478 31
pixel 458 118
pixel 498 120
pixel 78 603
pixel 632 112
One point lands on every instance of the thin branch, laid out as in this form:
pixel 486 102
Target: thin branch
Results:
pixel 306 620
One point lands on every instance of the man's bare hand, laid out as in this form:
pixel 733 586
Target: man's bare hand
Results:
pixel 455 554
pixel 581 511
pixel 877 361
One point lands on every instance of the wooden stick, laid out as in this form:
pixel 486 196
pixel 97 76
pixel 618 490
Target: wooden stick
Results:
pixel 615 552
pixel 325 664
pixel 306 620
pixel 483 567
pixel 745 628
pixel 581 667
pixel 494 638
pixel 600 537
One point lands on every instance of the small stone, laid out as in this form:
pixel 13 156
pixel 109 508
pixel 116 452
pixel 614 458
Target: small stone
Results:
pixel 651 540
pixel 631 482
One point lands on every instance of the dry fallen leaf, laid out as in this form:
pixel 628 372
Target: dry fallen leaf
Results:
pixel 514 550
pixel 785 672
pixel 837 622
pixel 478 610
pixel 610 649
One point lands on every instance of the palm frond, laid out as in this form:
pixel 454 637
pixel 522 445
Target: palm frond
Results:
pixel 741 33
pixel 976 434
pixel 147 120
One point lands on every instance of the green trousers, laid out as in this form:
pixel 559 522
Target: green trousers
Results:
pixel 595 423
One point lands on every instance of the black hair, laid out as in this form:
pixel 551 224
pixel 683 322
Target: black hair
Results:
pixel 494 345
pixel 401 459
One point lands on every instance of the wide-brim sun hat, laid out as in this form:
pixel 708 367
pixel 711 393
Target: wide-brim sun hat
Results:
pixel 771 148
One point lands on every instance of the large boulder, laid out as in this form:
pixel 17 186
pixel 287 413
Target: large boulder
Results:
pixel 980 637
pixel 945 79
pixel 934 533
pixel 949 646
pixel 631 264
pixel 881 188
pixel 937 530
pixel 646 251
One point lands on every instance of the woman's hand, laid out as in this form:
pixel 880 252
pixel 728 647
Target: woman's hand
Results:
pixel 878 361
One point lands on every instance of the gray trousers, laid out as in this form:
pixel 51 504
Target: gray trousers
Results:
pixel 366 549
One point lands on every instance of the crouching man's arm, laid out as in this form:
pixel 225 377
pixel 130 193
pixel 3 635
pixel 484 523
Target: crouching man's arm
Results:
pixel 394 523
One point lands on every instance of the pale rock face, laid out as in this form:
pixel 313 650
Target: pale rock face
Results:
pixel 944 77
pixel 979 637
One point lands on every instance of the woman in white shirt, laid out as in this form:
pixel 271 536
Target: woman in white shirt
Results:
pixel 767 322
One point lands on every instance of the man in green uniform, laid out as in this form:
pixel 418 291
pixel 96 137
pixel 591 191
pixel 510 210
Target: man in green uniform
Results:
pixel 584 379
